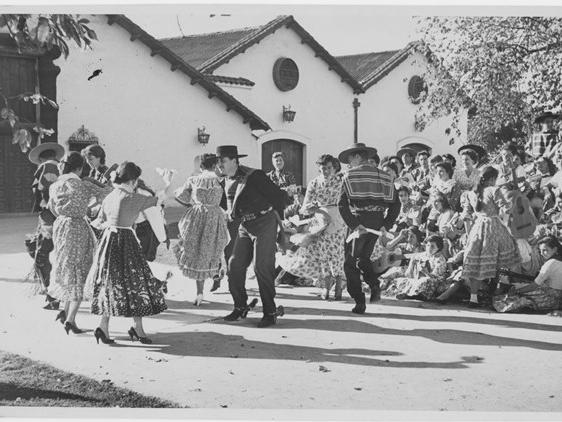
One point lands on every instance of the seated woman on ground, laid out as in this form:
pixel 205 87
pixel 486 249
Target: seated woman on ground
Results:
pixel 544 294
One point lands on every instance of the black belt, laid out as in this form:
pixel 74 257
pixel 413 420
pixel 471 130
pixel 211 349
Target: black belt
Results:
pixel 252 216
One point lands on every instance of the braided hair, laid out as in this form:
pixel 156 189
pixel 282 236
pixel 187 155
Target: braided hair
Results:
pixel 489 173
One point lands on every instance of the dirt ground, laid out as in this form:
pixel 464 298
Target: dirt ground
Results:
pixel 407 356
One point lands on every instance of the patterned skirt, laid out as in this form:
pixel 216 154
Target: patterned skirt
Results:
pixel 489 247
pixel 543 299
pixel 74 245
pixel 120 282
pixel 425 287
pixel 320 260
pixel 203 236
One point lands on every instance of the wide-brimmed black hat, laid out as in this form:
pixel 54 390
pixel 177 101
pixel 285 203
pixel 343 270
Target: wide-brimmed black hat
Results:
pixel 35 152
pixel 403 151
pixel 358 147
pixel 230 151
pixel 480 151
pixel 546 115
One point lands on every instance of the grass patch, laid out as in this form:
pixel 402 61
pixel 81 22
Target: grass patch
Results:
pixel 25 382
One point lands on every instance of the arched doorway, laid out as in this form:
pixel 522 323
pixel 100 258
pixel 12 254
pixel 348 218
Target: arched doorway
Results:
pixel 415 143
pixel 294 156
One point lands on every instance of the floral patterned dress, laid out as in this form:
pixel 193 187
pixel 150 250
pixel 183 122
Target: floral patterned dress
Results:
pixel 424 278
pixel 466 181
pixel 324 257
pixel 203 230
pixel 73 237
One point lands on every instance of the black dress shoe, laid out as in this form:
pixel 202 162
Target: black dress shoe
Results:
pixel 474 305
pixel 359 308
pixel 267 321
pixel 502 289
pixel 235 315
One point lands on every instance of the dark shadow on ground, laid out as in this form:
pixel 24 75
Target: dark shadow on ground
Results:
pixel 211 344
pixel 10 392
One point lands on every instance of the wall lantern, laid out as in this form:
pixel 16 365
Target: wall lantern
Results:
pixel 288 114
pixel 202 136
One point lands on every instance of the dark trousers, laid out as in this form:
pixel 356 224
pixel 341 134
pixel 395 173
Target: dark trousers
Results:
pixel 148 240
pixel 233 232
pixel 44 247
pixel 257 240
pixel 358 257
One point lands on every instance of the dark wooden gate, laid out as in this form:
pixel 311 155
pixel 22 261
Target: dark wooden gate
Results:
pixel 294 156
pixel 17 75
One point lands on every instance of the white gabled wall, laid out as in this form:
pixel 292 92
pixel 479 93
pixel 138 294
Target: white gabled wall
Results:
pixel 323 104
pixel 140 110
pixel 387 116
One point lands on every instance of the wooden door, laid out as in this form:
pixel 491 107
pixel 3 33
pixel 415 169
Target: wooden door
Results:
pixel 17 75
pixel 294 156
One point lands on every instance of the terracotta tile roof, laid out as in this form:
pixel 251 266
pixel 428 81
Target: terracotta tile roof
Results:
pixel 230 80
pixel 177 63
pixel 230 44
pixel 197 49
pixel 362 65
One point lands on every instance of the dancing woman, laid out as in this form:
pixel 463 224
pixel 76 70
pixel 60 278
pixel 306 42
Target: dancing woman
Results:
pixel 120 281
pixel 322 259
pixel 73 238
pixel 203 232
pixel 490 245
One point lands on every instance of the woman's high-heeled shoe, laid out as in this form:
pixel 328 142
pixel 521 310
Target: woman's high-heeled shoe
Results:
pixel 70 326
pixel 216 283
pixel 61 316
pixel 100 335
pixel 134 336
pixel 198 300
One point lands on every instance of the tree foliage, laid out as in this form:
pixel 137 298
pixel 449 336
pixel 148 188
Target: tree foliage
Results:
pixel 40 33
pixel 505 69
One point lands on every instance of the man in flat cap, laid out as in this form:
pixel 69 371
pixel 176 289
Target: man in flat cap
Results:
pixel 367 194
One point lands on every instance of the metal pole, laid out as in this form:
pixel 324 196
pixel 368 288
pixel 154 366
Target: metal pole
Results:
pixel 356 105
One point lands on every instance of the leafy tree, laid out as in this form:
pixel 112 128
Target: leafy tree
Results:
pixel 505 69
pixel 40 33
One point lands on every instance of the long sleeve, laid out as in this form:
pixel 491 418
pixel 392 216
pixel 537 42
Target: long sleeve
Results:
pixel 277 197
pixel 343 205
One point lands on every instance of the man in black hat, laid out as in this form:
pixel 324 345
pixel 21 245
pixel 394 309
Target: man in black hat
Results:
pixel 543 142
pixel 257 202
pixel 46 156
pixel 367 193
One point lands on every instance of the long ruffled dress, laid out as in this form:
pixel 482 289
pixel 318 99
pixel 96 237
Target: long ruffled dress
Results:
pixel 324 257
pixel 121 282
pixel 203 231
pixel 73 239
pixel 490 245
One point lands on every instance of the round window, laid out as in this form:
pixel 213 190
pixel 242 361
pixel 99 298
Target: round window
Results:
pixel 417 89
pixel 285 74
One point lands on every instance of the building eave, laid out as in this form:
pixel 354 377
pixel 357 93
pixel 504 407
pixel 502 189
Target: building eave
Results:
pixel 177 63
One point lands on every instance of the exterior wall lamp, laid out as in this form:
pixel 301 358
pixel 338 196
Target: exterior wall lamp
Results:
pixel 202 135
pixel 288 114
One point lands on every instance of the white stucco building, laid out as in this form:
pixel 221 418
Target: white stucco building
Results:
pixel 146 105
pixel 268 88
pixel 321 89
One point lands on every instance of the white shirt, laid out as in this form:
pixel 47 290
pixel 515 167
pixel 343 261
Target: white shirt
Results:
pixel 550 274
